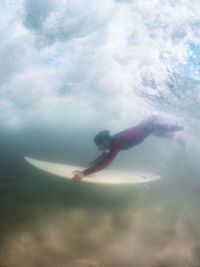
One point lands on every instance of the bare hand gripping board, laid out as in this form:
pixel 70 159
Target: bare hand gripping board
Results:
pixel 101 177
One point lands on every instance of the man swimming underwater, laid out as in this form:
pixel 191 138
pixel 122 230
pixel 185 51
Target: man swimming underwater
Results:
pixel 111 145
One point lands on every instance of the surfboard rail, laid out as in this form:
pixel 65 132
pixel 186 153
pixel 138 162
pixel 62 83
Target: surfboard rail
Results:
pixel 101 177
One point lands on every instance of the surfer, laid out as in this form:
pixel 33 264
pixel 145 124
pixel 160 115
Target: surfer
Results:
pixel 111 145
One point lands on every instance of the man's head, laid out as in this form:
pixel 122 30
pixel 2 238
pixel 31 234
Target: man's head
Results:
pixel 102 140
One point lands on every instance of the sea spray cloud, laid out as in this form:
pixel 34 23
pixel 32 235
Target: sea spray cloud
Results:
pixel 72 61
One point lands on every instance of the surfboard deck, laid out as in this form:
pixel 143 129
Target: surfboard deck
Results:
pixel 102 177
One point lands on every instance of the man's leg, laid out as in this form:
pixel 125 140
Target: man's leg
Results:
pixel 152 125
pixel 168 130
pixel 164 129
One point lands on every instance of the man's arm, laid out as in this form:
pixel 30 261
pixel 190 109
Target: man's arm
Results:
pixel 98 159
pixel 106 160
pixel 103 163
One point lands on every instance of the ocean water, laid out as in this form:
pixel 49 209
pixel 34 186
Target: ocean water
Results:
pixel 68 70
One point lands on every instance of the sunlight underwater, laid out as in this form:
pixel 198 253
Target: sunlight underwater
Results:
pixel 68 70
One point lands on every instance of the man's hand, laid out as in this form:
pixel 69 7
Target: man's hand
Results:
pixel 78 176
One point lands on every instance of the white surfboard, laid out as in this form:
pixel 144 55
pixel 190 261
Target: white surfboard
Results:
pixel 101 177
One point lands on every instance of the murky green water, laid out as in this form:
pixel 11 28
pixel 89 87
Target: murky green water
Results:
pixel 69 69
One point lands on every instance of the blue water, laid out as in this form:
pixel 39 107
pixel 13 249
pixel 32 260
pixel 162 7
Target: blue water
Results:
pixel 68 70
